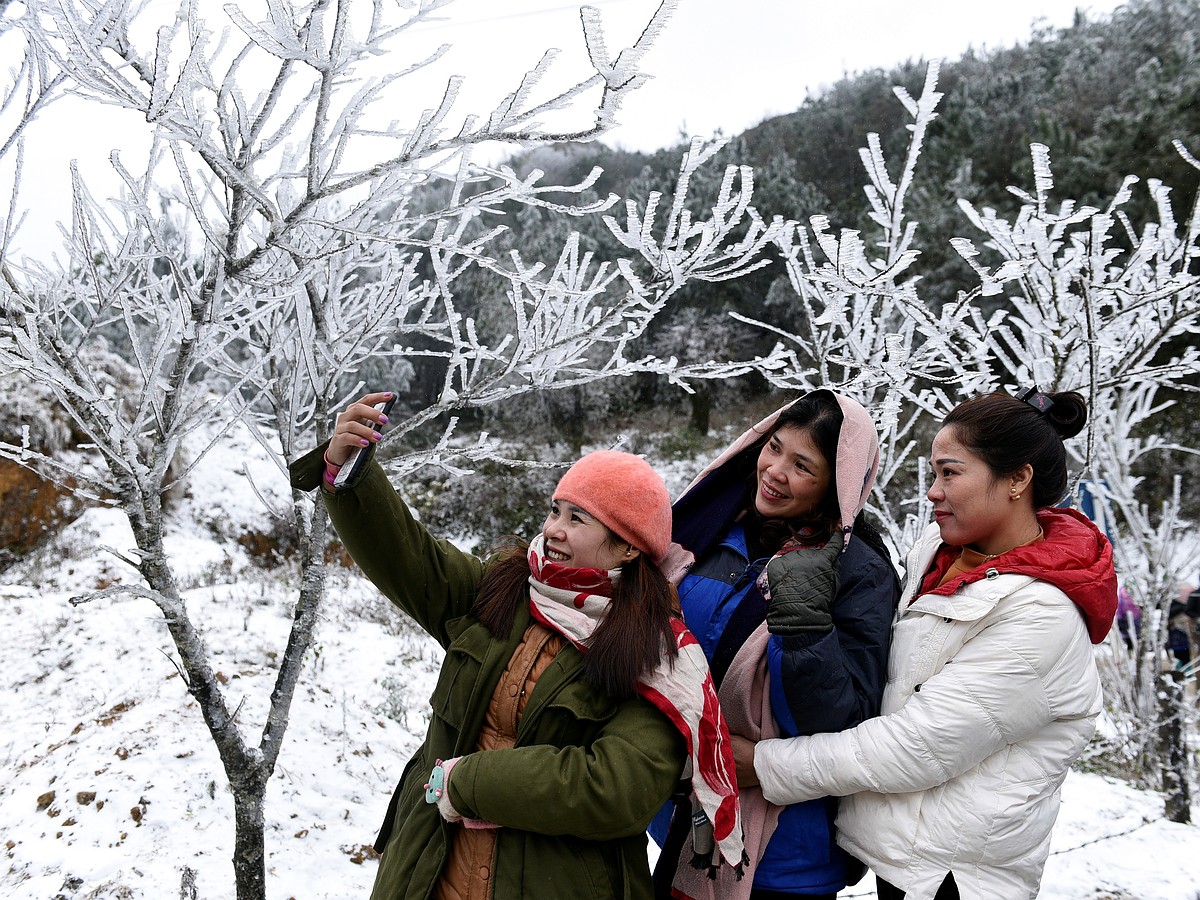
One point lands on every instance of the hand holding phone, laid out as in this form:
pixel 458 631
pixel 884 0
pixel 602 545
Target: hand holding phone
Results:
pixel 359 456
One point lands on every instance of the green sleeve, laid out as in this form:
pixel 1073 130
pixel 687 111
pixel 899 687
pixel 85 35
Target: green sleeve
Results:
pixel 430 579
pixel 607 790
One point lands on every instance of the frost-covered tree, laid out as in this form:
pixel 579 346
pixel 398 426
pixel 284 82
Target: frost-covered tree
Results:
pixel 280 235
pixel 860 325
pixel 1093 305
pixel 1067 296
pixel 1079 300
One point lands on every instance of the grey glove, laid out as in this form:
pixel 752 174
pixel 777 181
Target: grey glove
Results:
pixel 799 585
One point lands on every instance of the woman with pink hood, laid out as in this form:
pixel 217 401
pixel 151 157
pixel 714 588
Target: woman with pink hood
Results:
pixel 790 593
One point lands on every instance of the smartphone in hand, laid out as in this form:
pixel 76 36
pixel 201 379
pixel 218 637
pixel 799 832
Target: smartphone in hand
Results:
pixel 359 456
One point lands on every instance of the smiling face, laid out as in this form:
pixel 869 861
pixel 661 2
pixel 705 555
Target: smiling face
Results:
pixel 577 539
pixel 793 475
pixel 971 504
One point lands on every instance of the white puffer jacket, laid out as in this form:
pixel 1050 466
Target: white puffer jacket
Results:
pixel 992 693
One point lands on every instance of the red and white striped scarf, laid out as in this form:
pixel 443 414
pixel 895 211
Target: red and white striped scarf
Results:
pixel 572 602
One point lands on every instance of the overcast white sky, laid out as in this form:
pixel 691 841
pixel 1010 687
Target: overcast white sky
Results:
pixel 721 65
pixel 729 64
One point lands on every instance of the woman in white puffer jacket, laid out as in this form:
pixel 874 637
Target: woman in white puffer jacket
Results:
pixel 992 688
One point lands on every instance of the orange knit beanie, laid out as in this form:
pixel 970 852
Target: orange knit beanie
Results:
pixel 625 494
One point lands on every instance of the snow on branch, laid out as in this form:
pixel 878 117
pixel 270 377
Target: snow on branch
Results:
pixel 709 249
pixel 1112 313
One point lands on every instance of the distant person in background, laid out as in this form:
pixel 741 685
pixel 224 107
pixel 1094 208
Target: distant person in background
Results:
pixel 569 696
pixel 993 689
pixel 1181 625
pixel 791 593
pixel 1129 617
pixel 1179 643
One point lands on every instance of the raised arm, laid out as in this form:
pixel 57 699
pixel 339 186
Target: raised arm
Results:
pixel 430 579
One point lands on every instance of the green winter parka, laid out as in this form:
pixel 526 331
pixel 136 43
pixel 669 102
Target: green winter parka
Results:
pixel 573 797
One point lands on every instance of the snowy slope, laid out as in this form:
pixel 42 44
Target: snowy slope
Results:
pixel 111 786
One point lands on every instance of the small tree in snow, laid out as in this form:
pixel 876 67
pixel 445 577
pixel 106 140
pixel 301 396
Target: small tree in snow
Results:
pixel 1093 305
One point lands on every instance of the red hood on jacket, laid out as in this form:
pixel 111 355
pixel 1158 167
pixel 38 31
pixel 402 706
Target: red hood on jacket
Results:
pixel 1074 556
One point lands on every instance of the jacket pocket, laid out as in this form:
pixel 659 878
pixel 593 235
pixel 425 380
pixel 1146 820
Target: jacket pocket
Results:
pixel 575 716
pixel 1018 813
pixel 1022 816
pixel 453 697
pixel 395 805
pixel 568 867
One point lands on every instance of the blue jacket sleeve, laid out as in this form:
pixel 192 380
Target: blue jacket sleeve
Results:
pixel 834 681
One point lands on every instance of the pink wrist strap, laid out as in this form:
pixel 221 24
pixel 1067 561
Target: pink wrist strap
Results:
pixel 330 470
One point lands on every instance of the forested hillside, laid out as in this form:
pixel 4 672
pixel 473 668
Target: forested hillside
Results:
pixel 1107 95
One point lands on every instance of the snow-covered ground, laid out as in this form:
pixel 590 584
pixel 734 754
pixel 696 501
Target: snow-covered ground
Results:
pixel 111 786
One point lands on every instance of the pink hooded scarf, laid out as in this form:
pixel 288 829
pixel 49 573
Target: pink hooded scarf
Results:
pixel 856 466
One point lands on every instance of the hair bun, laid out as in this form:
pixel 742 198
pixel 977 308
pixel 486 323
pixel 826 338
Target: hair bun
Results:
pixel 1068 414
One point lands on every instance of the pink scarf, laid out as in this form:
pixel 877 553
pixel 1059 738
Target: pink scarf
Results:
pixel 746 699
pixel 572 602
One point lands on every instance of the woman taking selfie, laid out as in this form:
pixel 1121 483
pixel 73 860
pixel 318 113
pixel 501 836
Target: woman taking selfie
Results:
pixel 568 697
pixel 992 691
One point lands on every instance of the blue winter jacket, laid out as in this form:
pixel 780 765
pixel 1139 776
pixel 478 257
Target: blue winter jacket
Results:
pixel 825 683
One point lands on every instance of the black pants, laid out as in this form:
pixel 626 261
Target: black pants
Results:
pixel 948 890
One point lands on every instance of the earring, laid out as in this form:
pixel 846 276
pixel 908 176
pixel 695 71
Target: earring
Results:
pixel 629 552
pixel 1013 495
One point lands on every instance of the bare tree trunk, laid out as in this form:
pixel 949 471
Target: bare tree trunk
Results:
pixel 249 848
pixel 187 884
pixel 702 403
pixel 572 420
pixel 1172 750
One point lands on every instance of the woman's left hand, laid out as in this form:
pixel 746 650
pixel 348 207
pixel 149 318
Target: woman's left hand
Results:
pixel 801 587
pixel 743 759
pixel 356 427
